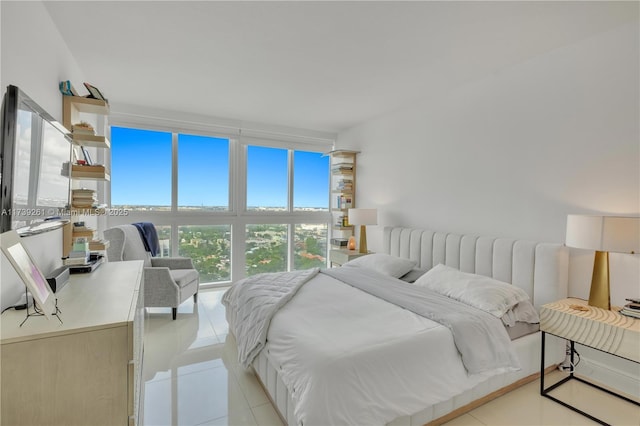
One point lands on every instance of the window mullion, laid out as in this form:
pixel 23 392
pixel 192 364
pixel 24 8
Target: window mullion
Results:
pixel 174 173
pixel 175 237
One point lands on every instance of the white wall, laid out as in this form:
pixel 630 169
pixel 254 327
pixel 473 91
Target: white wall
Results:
pixel 34 58
pixel 512 153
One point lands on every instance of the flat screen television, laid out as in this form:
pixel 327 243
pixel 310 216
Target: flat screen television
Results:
pixel 34 163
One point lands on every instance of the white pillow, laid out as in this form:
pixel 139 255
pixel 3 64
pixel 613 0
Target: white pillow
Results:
pixel 490 295
pixel 522 312
pixel 383 263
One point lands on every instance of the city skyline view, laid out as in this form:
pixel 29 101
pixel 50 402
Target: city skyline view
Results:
pixel 142 166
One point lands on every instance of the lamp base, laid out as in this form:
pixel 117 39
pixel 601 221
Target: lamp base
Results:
pixel 599 295
pixel 363 239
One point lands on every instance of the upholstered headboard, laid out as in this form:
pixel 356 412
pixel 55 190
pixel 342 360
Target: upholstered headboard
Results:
pixel 541 269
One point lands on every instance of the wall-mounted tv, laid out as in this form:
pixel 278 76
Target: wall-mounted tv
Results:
pixel 34 163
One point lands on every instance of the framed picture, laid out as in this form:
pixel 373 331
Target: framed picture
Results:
pixel 95 93
pixel 29 272
pixel 87 157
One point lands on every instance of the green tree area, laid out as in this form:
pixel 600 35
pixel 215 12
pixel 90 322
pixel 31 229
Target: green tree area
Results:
pixel 209 247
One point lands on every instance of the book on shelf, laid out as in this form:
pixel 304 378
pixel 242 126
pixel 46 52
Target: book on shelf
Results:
pixel 84 195
pixel 94 168
pixel 340 242
pixel 82 227
pixel 98 245
pixel 81 191
pixel 67 89
pixel 82 231
pixel 96 171
pixel 77 256
pixel 345 185
pixel 84 200
pixel 89 233
pixel 342 221
pixel 80 198
pixel 341 170
pixel 344 202
pixel 75 261
pixel 78 253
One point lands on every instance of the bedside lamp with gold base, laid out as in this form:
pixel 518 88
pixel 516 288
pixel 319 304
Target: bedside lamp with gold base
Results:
pixel 604 234
pixel 363 217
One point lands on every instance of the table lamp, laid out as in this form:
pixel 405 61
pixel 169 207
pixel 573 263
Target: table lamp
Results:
pixel 603 234
pixel 363 217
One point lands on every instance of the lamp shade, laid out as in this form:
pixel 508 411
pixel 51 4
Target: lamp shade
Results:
pixel 363 216
pixel 618 234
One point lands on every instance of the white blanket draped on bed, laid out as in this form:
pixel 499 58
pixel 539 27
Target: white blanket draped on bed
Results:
pixel 256 299
pixel 479 336
pixel 348 357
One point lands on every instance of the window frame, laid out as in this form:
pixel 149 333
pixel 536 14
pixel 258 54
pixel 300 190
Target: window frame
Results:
pixel 238 217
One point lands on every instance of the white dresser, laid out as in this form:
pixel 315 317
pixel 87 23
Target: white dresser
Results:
pixel 85 371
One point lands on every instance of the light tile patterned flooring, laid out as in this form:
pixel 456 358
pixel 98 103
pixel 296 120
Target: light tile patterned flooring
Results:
pixel 192 377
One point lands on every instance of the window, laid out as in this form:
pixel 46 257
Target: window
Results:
pixel 266 248
pixel 209 247
pixel 140 169
pixel 203 173
pixel 310 246
pixel 310 181
pixel 270 203
pixel 164 238
pixel 267 179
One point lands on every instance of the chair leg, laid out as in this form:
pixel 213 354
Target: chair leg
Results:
pixel 195 298
pixel 174 312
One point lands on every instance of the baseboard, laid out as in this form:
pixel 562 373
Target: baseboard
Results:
pixel 598 370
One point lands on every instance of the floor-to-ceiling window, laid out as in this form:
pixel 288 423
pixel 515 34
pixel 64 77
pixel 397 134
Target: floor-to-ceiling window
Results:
pixel 236 207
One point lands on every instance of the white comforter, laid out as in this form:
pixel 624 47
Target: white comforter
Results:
pixel 332 333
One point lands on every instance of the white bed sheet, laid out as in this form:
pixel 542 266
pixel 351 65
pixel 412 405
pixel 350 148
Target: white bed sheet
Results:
pixel 350 358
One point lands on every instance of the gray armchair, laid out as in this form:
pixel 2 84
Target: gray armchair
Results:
pixel 168 281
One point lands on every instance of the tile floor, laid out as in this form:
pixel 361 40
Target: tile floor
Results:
pixel 191 377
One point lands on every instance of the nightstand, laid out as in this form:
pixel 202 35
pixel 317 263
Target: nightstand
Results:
pixel 338 257
pixel 605 330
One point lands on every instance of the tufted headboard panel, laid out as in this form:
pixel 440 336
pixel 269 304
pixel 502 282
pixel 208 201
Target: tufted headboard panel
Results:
pixel 541 269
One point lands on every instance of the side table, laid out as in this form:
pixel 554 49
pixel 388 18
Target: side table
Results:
pixel 338 257
pixel 605 330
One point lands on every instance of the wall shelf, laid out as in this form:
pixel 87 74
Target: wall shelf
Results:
pixel 73 105
pixel 95 141
pixel 76 109
pixel 343 190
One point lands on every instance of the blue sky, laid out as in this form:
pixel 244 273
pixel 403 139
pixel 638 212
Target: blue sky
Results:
pixel 141 172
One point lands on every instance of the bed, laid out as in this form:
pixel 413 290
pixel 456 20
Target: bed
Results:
pixel 335 353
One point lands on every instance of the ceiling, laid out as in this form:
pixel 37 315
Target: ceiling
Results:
pixel 315 65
